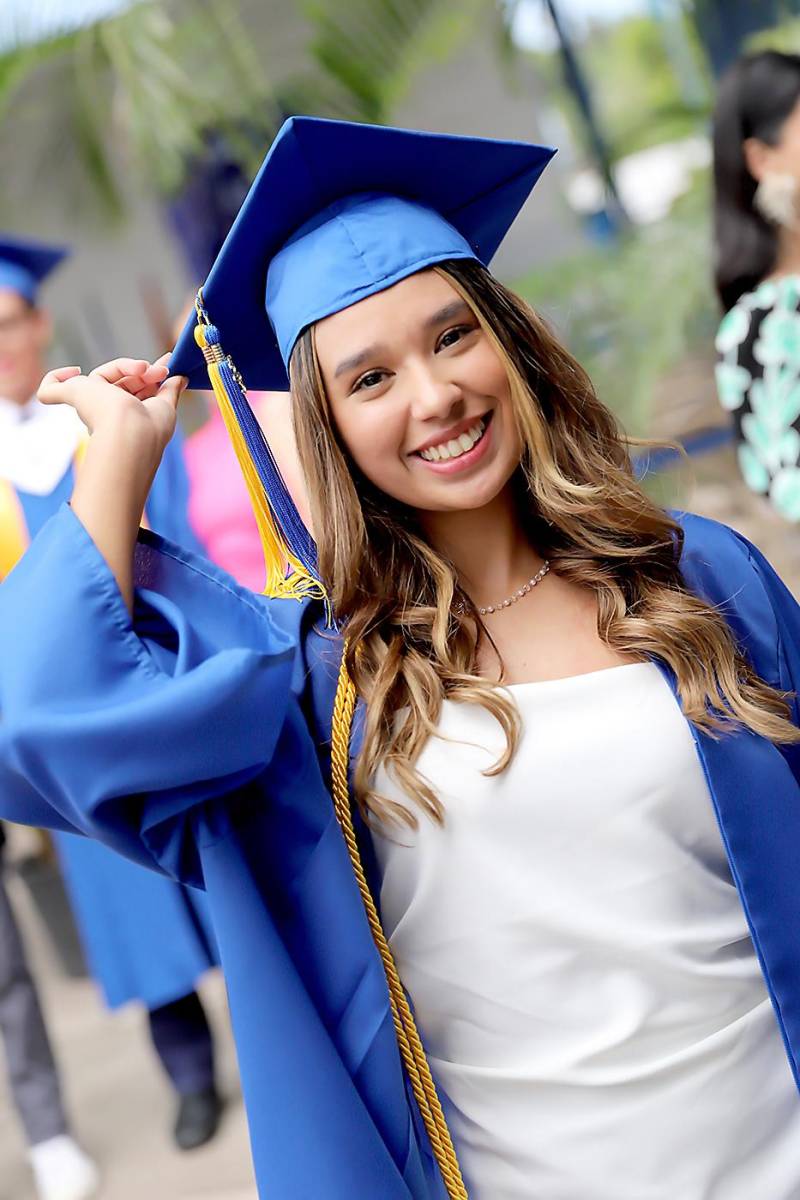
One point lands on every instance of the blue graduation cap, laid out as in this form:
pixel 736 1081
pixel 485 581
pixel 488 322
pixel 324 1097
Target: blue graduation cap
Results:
pixel 464 194
pixel 25 264
pixel 338 212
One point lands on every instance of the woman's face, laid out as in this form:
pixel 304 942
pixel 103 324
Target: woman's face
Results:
pixel 782 158
pixel 419 396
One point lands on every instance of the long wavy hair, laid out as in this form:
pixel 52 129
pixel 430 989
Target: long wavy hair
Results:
pixel 413 634
pixel 755 97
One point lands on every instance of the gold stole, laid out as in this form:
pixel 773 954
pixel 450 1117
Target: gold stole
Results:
pixel 14 536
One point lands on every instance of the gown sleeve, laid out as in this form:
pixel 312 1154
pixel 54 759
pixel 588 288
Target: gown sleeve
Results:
pixel 786 613
pixel 127 729
pixel 731 573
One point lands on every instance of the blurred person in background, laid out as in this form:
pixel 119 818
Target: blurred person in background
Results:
pixel 757 268
pixel 62 1171
pixel 146 938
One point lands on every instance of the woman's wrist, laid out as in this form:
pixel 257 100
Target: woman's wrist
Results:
pixel 112 487
pixel 130 409
pixel 125 433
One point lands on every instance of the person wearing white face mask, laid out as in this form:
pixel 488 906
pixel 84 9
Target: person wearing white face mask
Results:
pixel 757 270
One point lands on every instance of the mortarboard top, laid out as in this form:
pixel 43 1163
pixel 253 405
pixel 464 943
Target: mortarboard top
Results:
pixel 24 264
pixel 465 191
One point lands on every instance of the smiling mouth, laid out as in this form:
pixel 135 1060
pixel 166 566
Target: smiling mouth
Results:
pixel 456 447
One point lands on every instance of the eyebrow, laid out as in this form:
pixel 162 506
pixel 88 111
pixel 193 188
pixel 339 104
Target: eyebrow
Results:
pixel 357 360
pixel 455 308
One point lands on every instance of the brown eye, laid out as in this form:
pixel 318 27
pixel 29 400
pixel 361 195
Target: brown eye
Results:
pixel 371 379
pixel 452 336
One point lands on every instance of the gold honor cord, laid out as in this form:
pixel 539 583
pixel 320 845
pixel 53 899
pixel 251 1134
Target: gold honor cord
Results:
pixel 14 536
pixel 409 1041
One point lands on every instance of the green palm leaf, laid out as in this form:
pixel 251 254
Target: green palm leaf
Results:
pixel 145 86
pixel 368 52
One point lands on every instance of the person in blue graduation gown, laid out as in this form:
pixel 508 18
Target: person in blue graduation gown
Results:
pixel 145 938
pixel 214 724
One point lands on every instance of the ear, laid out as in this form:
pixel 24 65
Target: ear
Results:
pixel 757 157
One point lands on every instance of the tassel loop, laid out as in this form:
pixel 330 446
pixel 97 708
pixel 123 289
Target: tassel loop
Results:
pixel 289 550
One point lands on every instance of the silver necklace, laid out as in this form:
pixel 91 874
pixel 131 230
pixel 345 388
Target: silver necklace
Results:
pixel 518 595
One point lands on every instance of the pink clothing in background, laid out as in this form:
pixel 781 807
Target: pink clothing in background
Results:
pixel 219 506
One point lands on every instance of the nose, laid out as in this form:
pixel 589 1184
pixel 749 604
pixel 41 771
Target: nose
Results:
pixel 433 397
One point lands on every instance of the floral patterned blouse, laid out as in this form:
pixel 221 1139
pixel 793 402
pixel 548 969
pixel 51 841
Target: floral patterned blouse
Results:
pixel 758 381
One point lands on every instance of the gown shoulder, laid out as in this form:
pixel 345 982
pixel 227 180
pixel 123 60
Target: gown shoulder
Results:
pixel 115 726
pixel 719 564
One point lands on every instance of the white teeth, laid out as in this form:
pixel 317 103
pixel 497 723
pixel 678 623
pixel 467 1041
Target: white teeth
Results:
pixel 456 446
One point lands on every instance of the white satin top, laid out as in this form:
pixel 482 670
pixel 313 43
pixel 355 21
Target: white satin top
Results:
pixel 579 959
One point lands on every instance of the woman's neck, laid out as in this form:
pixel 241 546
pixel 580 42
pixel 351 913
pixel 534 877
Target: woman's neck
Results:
pixel 487 546
pixel 787 260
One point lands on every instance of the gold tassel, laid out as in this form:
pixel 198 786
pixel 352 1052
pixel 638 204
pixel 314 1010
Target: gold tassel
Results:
pixel 285 575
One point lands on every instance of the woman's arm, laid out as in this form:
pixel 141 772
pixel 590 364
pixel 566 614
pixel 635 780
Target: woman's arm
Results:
pixel 130 408
pixel 136 729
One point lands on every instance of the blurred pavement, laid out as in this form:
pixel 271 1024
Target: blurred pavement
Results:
pixel 121 1107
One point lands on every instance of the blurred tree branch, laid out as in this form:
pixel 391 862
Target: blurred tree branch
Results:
pixel 365 54
pixel 146 88
pixel 141 88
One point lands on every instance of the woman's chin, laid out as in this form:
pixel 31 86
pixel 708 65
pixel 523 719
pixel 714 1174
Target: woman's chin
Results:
pixel 467 495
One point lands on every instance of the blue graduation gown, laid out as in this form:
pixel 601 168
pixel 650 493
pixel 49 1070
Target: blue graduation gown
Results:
pixel 202 725
pixel 145 938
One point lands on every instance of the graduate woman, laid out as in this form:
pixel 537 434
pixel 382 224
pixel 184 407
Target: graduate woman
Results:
pixel 516 748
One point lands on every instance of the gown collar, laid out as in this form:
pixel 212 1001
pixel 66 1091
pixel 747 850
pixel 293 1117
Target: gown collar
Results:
pixel 37 444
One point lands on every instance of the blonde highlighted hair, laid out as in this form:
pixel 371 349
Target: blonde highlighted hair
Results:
pixel 413 633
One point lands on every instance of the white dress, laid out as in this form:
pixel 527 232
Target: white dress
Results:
pixel 579 960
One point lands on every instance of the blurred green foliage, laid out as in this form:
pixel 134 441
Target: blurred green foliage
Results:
pixel 139 91
pixel 638 94
pixel 142 90
pixel 784 37
pixel 363 55
pixel 636 89
pixel 632 310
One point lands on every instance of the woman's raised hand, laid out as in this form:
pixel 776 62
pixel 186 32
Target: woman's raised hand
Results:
pixel 130 408
pixel 126 391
